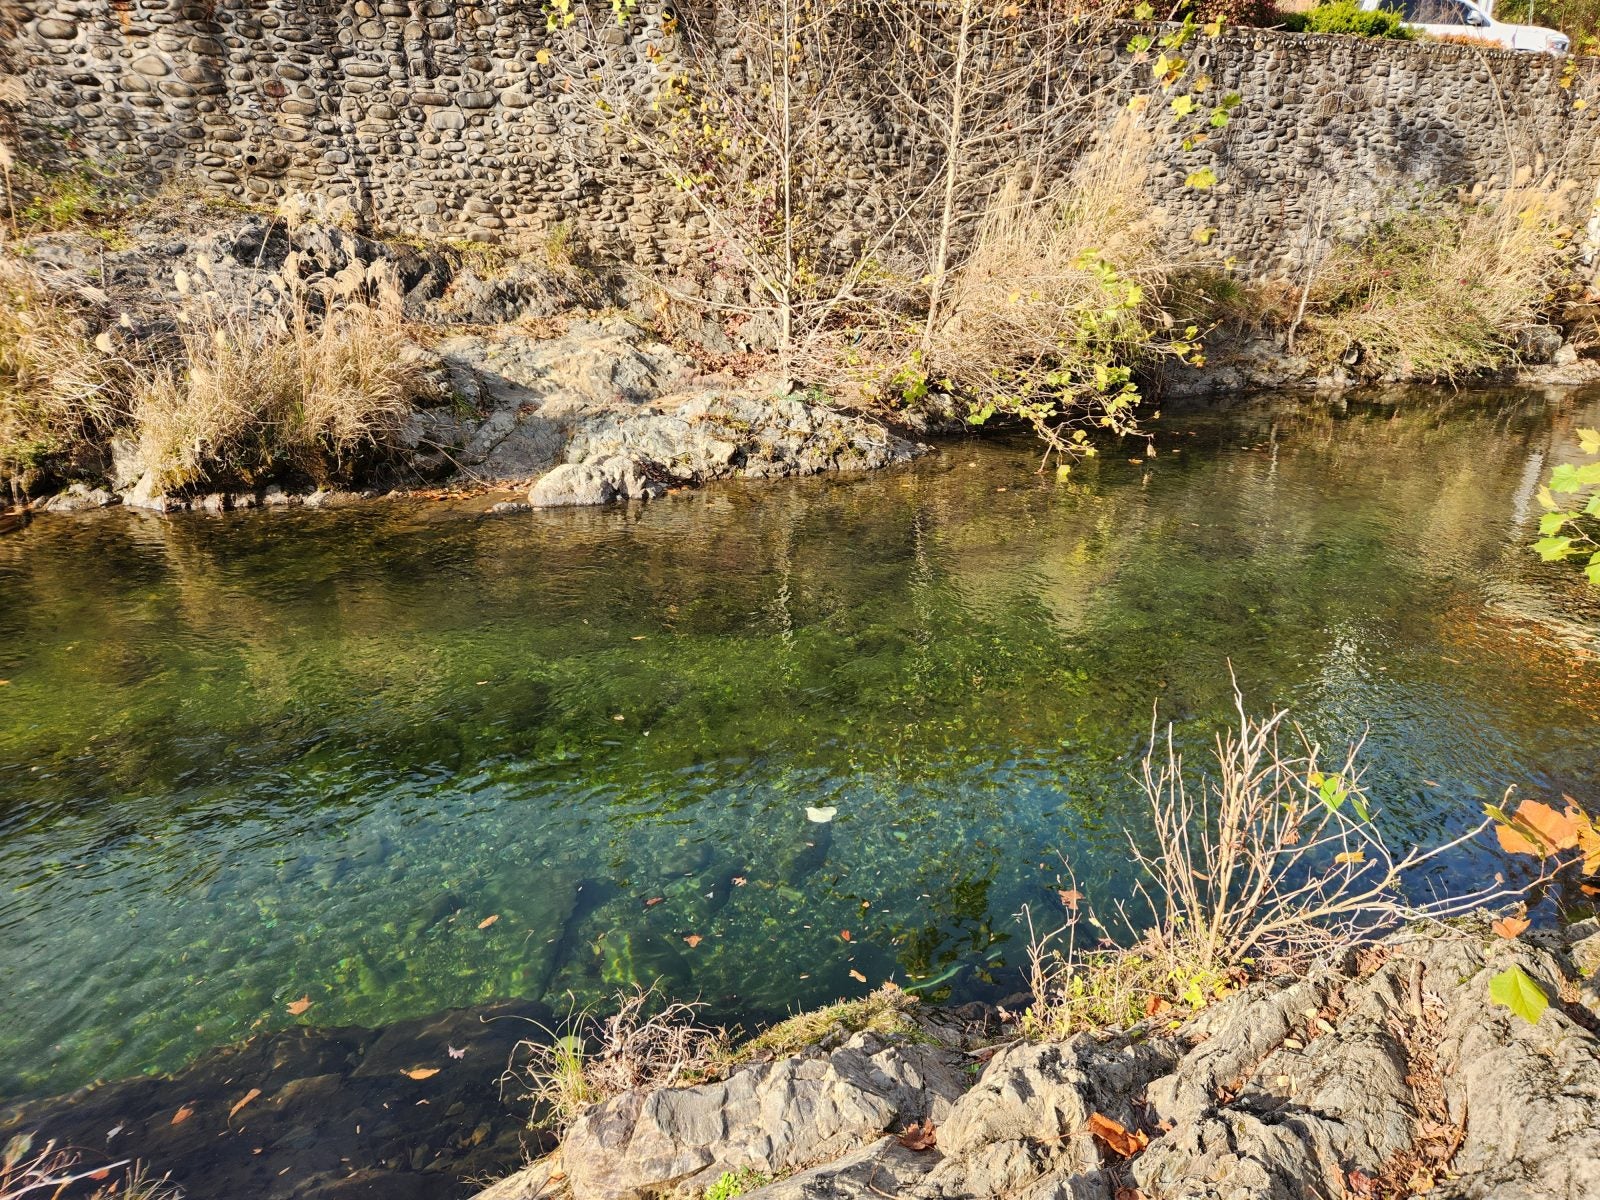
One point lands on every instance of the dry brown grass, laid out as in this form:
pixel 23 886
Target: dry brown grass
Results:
pixel 59 390
pixel 284 392
pixel 1441 294
pixel 1059 295
pixel 644 1044
pixel 26 1173
pixel 1269 859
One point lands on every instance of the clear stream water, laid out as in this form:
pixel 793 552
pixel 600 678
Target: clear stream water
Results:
pixel 259 757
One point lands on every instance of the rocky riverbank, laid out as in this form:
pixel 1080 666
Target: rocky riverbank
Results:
pixel 1389 1073
pixel 554 381
pixel 535 372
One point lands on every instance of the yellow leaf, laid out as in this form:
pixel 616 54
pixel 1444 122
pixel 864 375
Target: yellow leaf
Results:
pixel 421 1072
pixel 1351 856
pixel 542 58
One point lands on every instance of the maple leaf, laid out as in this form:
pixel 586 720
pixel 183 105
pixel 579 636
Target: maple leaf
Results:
pixel 1510 927
pixel 1070 898
pixel 488 921
pixel 919 1136
pixel 248 1096
pixel 421 1073
pixel 694 939
pixel 299 1006
pixel 1121 1141
pixel 1537 829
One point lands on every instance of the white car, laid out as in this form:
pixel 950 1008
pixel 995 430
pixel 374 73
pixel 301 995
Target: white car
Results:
pixel 1444 18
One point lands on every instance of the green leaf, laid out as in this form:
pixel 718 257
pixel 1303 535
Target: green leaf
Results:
pixel 1182 106
pixel 1593 507
pixel 1589 440
pixel 1553 549
pixel 1550 524
pixel 1516 989
pixel 1200 180
pixel 1593 570
pixel 1546 500
pixel 1564 478
pixel 1143 12
pixel 1219 119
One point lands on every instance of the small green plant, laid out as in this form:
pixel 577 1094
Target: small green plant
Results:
pixel 1570 526
pixel 736 1183
pixel 1348 17
pixel 884 1012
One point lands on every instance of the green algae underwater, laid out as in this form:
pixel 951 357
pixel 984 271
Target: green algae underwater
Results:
pixel 401 757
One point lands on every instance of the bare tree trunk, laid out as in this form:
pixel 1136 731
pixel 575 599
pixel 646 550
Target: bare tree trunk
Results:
pixel 941 255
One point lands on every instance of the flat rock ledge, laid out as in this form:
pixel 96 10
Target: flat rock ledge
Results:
pixel 1391 1066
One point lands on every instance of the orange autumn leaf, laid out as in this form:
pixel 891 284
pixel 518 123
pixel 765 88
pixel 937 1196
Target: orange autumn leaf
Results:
pixel 844 934
pixel 488 921
pixel 1122 1142
pixel 919 1136
pixel 1540 830
pixel 694 939
pixel 299 1006
pixel 1070 898
pixel 248 1096
pixel 1155 1005
pixel 1510 927
pixel 653 901
pixel 183 1114
pixel 421 1072
pixel 857 976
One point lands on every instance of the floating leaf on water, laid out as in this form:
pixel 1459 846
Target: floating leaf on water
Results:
pixel 857 975
pixel 694 939
pixel 421 1072
pixel 299 1006
pixel 183 1114
pixel 844 935
pixel 488 921
pixel 821 816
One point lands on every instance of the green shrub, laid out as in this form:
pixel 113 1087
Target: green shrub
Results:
pixel 736 1183
pixel 1346 16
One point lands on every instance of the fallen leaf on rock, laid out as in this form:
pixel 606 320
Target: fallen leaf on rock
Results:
pixel 488 921
pixel 183 1114
pixel 694 939
pixel 421 1072
pixel 1122 1142
pixel 919 1136
pixel 858 976
pixel 1510 927
pixel 299 1006
pixel 248 1096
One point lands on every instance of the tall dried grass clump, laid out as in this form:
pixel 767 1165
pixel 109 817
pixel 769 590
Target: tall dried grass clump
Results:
pixel 644 1044
pixel 1270 858
pixel 316 387
pixel 1059 297
pixel 1441 294
pixel 62 385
